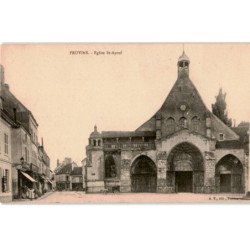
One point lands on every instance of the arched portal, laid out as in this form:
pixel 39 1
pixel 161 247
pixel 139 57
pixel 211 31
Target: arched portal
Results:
pixel 143 175
pixel 186 168
pixel 229 175
pixel 110 167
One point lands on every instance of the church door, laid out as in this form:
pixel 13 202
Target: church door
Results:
pixel 225 183
pixel 184 181
pixel 143 176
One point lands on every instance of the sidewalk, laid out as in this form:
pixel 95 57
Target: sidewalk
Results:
pixel 30 200
pixel 45 195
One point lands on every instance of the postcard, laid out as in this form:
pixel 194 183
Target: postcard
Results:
pixel 124 123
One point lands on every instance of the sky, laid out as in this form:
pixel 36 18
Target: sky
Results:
pixel 69 92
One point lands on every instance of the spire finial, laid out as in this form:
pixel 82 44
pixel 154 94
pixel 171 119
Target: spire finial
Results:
pixel 95 128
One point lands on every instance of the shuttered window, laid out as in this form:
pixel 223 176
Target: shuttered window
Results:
pixel 6 144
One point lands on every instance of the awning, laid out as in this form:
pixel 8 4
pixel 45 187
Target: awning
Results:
pixel 28 177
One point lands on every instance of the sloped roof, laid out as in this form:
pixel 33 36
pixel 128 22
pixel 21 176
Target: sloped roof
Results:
pixel 182 84
pixel 243 142
pixel 6 117
pixel 117 134
pixel 184 91
pixel 233 144
pixel 95 133
pixel 10 102
pixel 183 57
pixel 65 169
pixel 76 171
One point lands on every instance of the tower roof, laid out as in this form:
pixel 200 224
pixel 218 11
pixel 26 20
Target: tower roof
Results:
pixel 183 57
pixel 95 133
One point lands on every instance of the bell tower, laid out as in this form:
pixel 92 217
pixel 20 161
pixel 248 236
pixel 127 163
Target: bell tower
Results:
pixel 183 65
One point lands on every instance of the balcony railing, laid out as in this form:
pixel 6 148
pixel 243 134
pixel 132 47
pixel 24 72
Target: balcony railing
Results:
pixel 130 145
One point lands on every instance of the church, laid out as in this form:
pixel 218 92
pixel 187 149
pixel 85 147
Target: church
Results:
pixel 183 148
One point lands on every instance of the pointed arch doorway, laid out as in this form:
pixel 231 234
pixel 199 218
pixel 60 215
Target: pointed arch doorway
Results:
pixel 186 168
pixel 229 175
pixel 143 175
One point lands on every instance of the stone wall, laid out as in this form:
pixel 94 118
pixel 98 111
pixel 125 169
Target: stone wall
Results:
pixel 127 159
pixel 204 179
pixel 161 164
pixel 125 176
pixel 209 173
pixel 201 142
pixel 96 169
pixel 5 198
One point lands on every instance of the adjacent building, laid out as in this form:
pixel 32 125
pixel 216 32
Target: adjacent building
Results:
pixel 76 179
pixel 69 176
pixel 5 155
pixel 19 135
pixel 183 147
pixel 45 183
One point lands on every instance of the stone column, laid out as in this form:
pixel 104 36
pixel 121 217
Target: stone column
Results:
pixel 161 162
pixel 170 180
pixel 209 173
pixel 125 176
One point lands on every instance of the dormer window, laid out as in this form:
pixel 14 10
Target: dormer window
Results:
pixel 221 137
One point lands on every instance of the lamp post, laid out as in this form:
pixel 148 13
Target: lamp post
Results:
pixel 19 181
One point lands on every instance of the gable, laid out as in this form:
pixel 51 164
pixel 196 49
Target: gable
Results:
pixel 185 103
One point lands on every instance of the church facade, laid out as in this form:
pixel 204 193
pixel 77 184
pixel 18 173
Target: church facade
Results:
pixel 182 148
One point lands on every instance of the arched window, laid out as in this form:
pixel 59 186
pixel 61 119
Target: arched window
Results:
pixel 99 143
pixel 195 124
pixel 183 122
pixel 170 125
pixel 94 142
pixel 110 168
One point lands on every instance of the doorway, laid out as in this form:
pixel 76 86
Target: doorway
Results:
pixel 225 183
pixel 143 176
pixel 184 182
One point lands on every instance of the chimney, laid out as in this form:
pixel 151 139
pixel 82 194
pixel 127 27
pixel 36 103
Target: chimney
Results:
pixel 234 125
pixel 67 160
pixel 42 141
pixel 57 163
pixel 6 86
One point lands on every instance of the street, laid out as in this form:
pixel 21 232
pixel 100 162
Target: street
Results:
pixel 74 197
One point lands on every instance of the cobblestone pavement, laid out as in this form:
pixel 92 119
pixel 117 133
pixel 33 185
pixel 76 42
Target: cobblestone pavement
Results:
pixel 82 198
